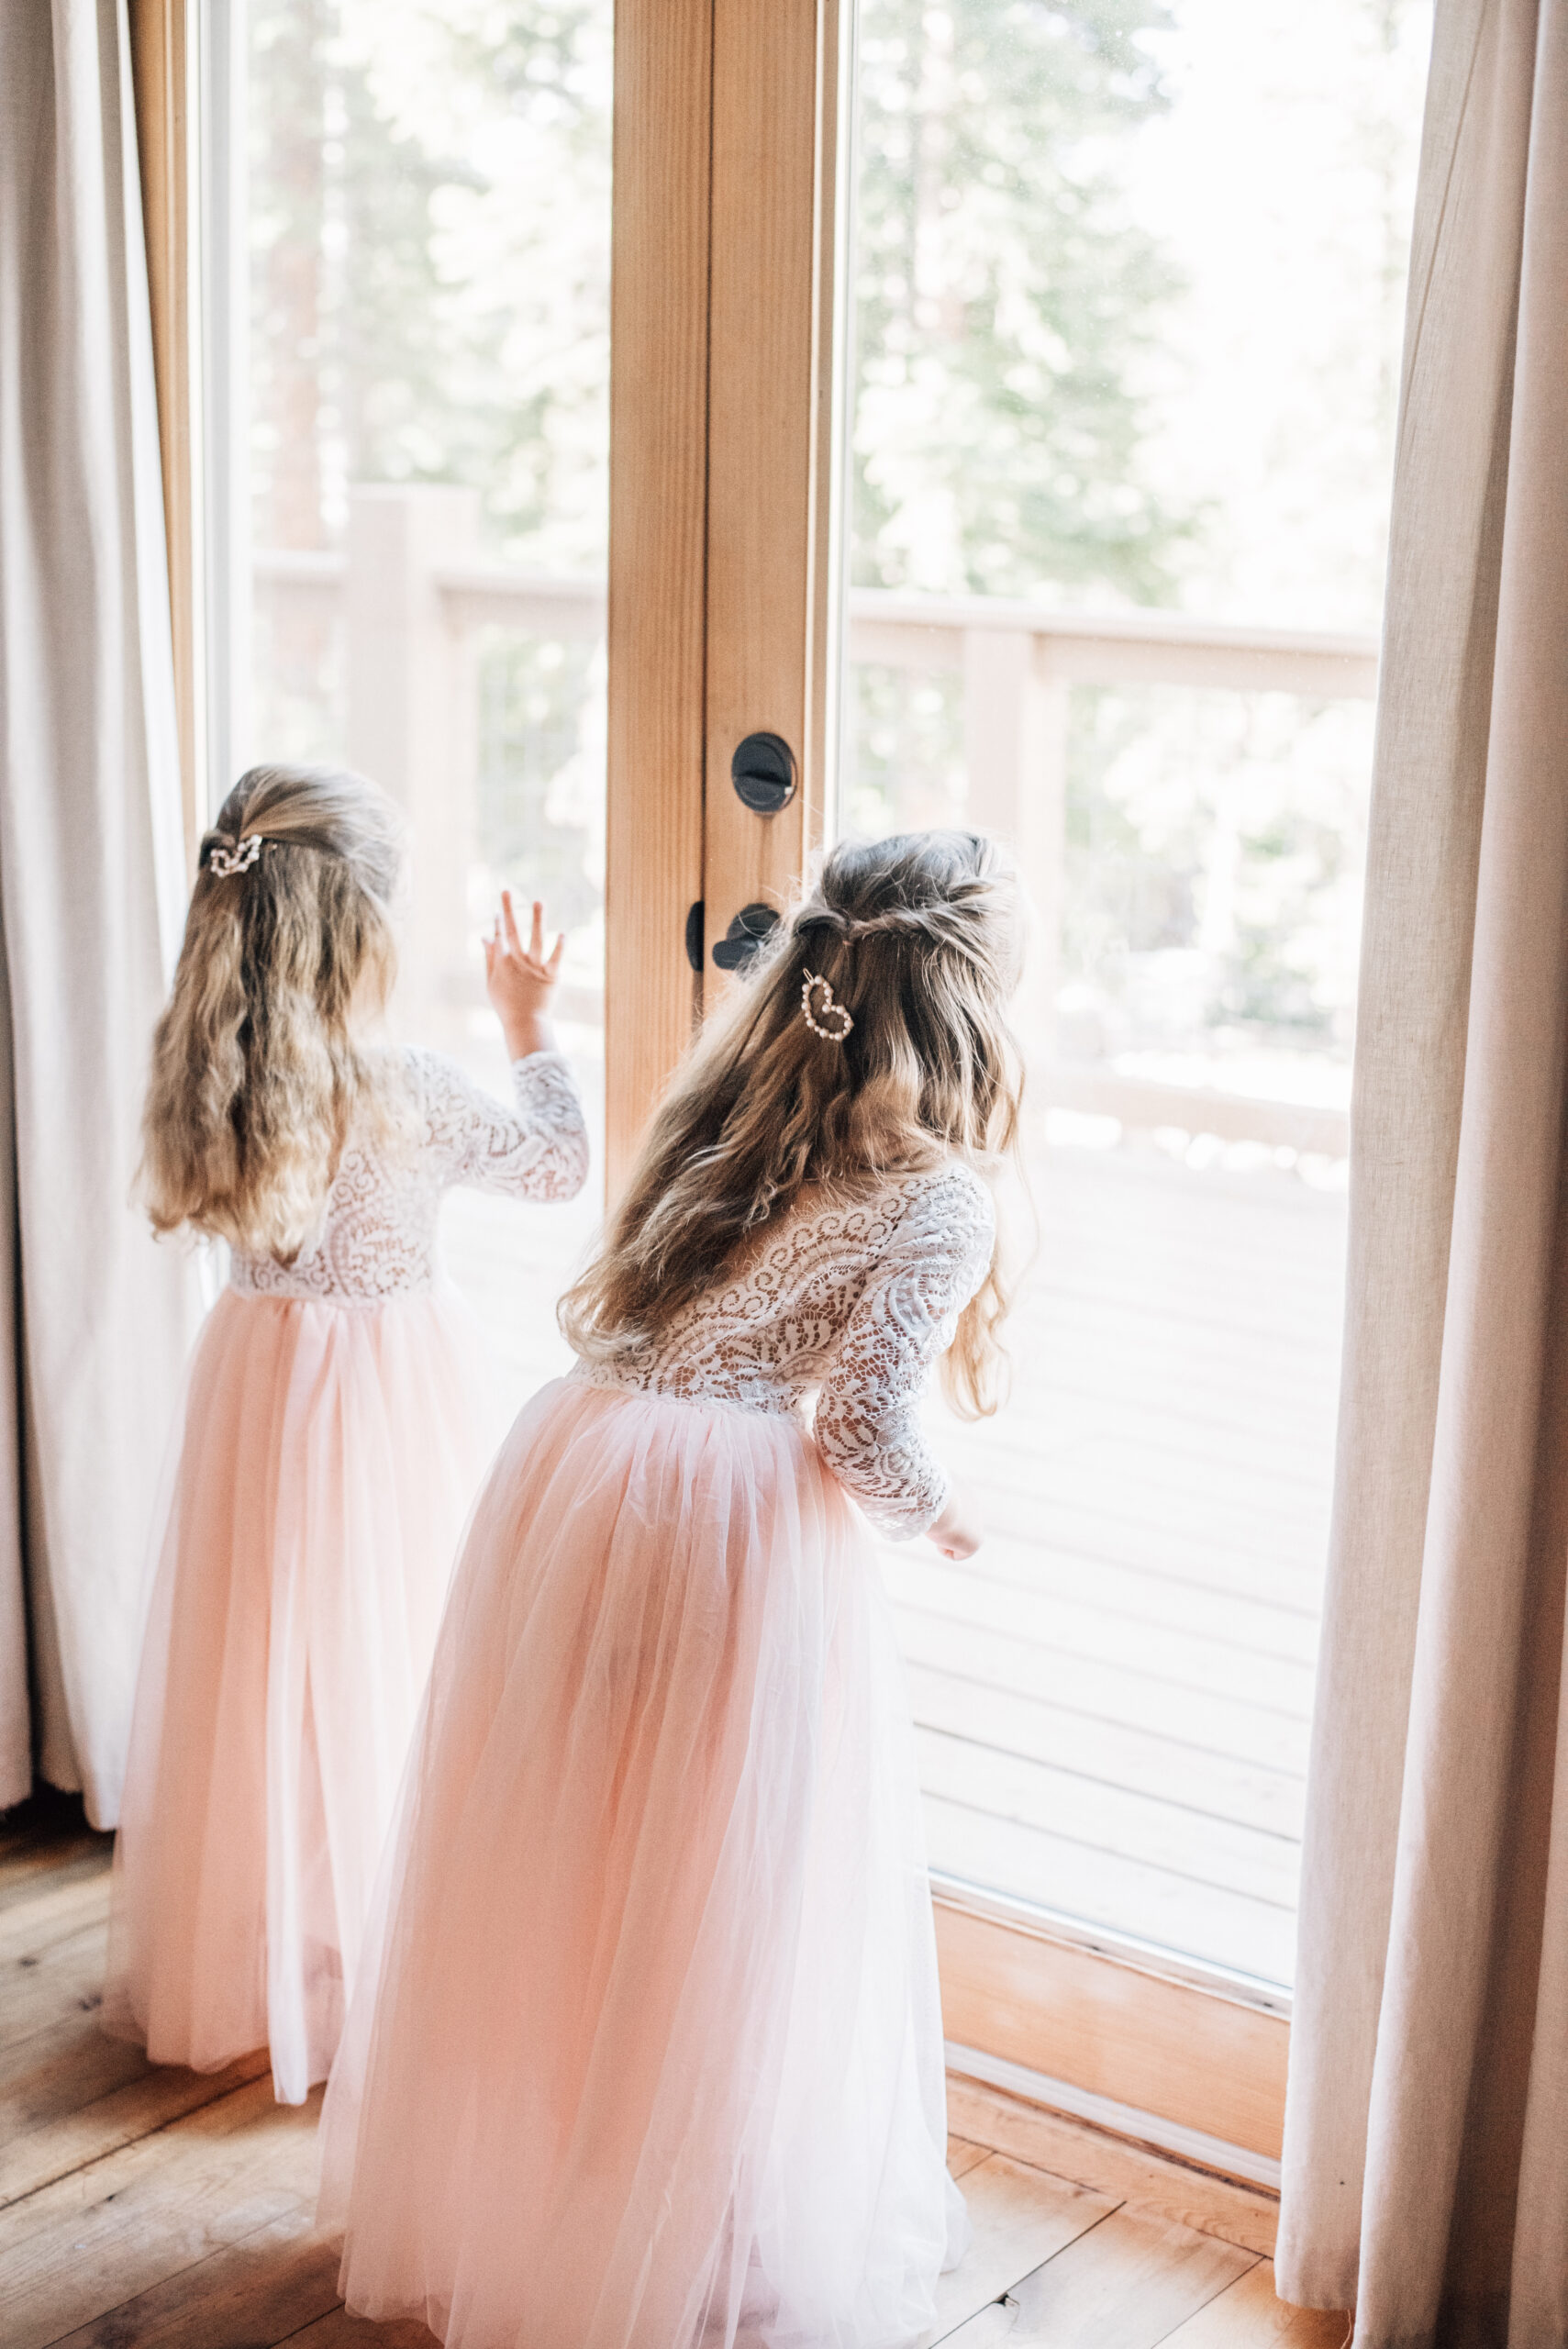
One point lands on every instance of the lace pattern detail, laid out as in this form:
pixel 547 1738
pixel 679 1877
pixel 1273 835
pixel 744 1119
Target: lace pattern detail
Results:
pixel 856 1301
pixel 378 1234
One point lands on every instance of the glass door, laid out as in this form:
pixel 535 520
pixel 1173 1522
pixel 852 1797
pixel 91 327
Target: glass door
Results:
pixel 1001 413
pixel 1126 294
pixel 417 372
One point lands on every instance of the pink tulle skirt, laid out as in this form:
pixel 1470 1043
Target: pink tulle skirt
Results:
pixel 647 2045
pixel 327 1460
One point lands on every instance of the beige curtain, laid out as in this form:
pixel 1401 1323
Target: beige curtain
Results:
pixel 95 1318
pixel 1426 2160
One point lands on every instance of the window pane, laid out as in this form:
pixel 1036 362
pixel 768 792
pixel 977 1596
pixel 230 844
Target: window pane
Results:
pixel 427 196
pixel 1128 285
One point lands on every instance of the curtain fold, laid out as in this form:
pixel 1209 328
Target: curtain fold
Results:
pixel 91 884
pixel 16 1740
pixel 1427 2111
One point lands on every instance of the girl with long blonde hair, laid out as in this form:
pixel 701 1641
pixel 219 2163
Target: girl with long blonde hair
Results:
pixel 335 1425
pixel 648 2053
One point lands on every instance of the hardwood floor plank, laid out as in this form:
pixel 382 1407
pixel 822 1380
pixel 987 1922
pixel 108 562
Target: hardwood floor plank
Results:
pixel 47 1821
pixel 35 1995
pixel 1112 2165
pixel 77 1888
pixel 57 2071
pixel 159 2094
pixel 963 2157
pixel 1127 2283
pixel 1247 2316
pixel 1020 2216
pixel 104 2233
pixel 49 1917
pixel 993 2325
pixel 265 2289
pixel 341 2330
pixel 21 1872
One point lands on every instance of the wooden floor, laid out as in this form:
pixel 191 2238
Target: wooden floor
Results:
pixel 1113 1697
pixel 144 2209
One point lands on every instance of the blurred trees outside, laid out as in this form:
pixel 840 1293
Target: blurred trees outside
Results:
pixel 1004 296
pixel 1127 278
pixel 429 231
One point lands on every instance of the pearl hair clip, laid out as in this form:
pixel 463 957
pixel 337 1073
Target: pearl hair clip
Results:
pixel 227 862
pixel 831 1010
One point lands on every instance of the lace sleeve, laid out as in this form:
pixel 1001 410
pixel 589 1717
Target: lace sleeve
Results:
pixel 538 1150
pixel 867 1427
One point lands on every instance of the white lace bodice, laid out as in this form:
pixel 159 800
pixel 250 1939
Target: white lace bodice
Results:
pixel 855 1300
pixel 378 1236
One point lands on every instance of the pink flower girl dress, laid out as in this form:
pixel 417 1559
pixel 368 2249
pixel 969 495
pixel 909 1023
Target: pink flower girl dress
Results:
pixel 335 1432
pixel 646 2049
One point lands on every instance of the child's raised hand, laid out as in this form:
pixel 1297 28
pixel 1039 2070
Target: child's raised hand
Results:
pixel 520 980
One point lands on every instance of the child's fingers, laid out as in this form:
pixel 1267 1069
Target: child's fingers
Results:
pixel 514 942
pixel 553 965
pixel 536 936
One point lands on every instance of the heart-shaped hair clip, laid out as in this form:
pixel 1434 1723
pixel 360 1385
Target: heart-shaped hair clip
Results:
pixel 809 986
pixel 226 862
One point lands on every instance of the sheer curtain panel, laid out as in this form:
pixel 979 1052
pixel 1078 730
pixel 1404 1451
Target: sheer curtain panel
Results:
pixel 90 886
pixel 1427 2110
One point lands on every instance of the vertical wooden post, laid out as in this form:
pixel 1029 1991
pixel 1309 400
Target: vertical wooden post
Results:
pixel 225 340
pixel 162 50
pixel 412 720
pixel 772 625
pixel 723 618
pixel 659 345
pixel 1014 735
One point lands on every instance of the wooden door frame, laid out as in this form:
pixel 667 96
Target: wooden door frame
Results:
pixel 723 559
pixel 726 303
pixel 725 384
pixel 163 50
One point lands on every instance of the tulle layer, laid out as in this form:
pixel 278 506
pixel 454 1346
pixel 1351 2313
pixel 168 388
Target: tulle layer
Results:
pixel 327 1463
pixel 647 2052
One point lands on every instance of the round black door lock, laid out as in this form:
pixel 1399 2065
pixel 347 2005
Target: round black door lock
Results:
pixel 744 936
pixel 762 772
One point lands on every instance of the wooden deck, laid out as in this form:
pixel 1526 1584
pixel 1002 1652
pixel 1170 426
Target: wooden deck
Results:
pixel 1112 1697
pixel 156 2209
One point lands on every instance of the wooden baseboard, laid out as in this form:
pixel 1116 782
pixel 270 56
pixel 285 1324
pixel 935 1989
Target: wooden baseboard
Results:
pixel 1209 2065
pixel 1104 2163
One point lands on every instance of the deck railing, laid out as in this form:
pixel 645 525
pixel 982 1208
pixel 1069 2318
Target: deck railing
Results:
pixel 414 592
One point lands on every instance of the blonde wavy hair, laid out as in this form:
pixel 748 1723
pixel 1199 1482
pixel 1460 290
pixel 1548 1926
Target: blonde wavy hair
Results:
pixel 257 1074
pixel 919 938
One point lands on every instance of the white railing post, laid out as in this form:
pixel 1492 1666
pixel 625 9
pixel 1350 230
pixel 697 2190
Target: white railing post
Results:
pixel 413 723
pixel 1015 739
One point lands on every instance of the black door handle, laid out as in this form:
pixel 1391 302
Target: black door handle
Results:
pixel 762 772
pixel 744 937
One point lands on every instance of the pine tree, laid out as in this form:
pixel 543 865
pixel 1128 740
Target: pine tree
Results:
pixel 397 336
pixel 1002 299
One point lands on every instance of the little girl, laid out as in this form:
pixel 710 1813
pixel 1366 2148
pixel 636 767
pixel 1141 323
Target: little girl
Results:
pixel 334 1429
pixel 649 2049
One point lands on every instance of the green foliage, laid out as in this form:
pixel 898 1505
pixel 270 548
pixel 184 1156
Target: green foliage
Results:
pixel 1214 851
pixel 908 770
pixel 536 807
pixel 430 268
pixel 1003 298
